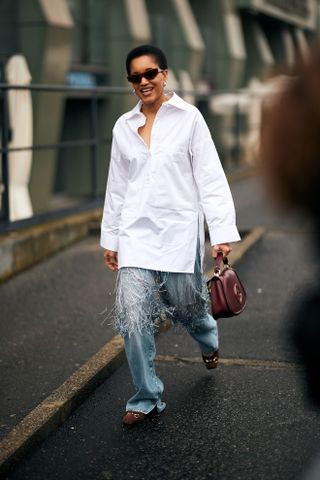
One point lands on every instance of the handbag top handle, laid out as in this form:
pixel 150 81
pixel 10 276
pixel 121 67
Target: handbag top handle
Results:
pixel 217 263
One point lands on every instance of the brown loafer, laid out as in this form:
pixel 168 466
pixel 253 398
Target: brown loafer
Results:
pixel 131 417
pixel 211 361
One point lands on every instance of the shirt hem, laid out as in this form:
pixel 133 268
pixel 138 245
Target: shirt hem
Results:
pixel 156 268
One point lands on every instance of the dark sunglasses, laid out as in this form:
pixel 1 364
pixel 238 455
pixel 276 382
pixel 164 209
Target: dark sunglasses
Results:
pixel 148 75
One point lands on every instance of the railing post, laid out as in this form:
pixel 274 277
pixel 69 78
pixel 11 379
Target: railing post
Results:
pixel 5 132
pixel 94 146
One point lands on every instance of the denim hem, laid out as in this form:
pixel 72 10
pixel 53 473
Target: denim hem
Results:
pixel 160 406
pixel 139 410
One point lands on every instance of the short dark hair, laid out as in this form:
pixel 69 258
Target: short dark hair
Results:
pixel 155 52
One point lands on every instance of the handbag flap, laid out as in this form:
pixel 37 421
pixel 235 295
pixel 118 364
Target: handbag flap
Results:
pixel 234 291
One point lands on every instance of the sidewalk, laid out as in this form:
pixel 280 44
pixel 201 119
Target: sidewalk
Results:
pixel 68 312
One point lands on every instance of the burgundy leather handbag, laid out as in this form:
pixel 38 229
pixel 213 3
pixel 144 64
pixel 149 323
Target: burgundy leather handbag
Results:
pixel 228 296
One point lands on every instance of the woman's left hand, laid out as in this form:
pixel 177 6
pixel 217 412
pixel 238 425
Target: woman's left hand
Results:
pixel 225 248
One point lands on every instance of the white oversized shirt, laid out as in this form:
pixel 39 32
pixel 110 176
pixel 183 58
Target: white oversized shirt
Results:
pixel 156 197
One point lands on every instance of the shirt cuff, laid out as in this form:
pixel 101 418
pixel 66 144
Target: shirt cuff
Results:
pixel 223 235
pixel 109 241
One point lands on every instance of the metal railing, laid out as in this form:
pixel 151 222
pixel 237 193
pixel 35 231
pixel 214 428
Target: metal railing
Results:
pixel 93 141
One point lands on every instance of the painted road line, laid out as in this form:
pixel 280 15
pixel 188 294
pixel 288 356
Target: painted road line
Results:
pixel 231 362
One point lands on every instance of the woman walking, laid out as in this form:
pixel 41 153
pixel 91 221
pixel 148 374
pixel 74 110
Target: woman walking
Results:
pixel 164 177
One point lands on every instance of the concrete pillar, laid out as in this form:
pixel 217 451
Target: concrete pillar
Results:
pixel 45 31
pixel 21 124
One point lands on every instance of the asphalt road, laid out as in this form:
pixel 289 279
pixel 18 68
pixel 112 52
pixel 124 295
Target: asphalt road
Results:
pixel 246 420
pixel 51 323
pixel 240 422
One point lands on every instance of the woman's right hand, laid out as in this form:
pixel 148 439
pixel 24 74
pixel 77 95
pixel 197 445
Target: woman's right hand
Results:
pixel 111 260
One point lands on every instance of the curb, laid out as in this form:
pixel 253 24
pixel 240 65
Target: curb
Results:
pixel 21 249
pixel 57 407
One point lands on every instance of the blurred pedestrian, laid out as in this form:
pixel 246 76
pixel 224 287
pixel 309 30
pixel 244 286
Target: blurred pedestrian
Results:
pixel 290 154
pixel 290 140
pixel 164 175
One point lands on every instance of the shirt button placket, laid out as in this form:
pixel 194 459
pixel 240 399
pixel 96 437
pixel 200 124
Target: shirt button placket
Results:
pixel 149 172
pixel 151 149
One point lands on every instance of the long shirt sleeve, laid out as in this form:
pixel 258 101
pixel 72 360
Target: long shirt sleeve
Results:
pixel 213 189
pixel 115 194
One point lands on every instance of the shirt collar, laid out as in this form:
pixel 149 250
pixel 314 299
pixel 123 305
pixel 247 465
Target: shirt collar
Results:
pixel 174 101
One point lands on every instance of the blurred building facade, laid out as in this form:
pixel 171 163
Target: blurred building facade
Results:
pixel 213 46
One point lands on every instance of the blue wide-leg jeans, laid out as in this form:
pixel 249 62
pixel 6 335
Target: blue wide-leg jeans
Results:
pixel 143 296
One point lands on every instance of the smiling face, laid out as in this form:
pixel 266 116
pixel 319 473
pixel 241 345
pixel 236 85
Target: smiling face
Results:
pixel 151 92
